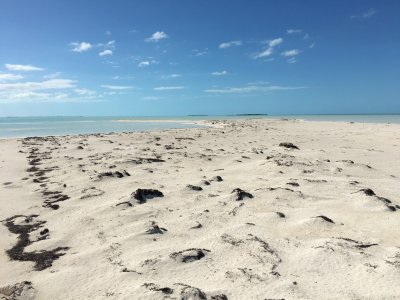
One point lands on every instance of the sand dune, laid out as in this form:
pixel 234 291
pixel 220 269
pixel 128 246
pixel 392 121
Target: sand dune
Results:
pixel 233 211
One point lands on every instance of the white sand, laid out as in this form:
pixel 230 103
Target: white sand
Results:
pixel 243 249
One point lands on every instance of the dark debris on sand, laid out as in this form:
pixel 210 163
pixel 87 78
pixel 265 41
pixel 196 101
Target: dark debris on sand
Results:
pixel 288 145
pixel 189 255
pixel 386 202
pixel 116 174
pixel 43 259
pixel 155 229
pixel 142 195
pixel 325 218
pixel 154 287
pixel 194 188
pixel 241 194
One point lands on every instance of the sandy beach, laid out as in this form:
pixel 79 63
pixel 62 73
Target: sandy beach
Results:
pixel 243 209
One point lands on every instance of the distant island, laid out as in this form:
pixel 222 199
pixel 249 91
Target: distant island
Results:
pixel 236 115
pixel 252 115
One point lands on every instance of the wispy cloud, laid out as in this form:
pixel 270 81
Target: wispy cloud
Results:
pixel 275 42
pixel 10 77
pixel 128 77
pixel 80 47
pixel 292 31
pixel 271 45
pixel 169 88
pixel 250 89
pixel 230 44
pixel 157 36
pixel 265 53
pixel 53 90
pixel 108 45
pixel 367 14
pixel 85 92
pixel 221 73
pixel 291 60
pixel 289 53
pixel 146 63
pixel 197 52
pixel 170 76
pixel 42 85
pixel 151 98
pixel 24 68
pixel 117 87
pixel 106 53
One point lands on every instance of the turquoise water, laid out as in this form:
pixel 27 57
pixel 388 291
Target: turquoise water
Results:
pixel 43 126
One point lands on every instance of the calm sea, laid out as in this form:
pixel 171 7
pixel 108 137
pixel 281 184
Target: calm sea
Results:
pixel 43 126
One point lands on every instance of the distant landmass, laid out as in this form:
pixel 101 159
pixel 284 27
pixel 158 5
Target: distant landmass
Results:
pixel 230 115
pixel 252 115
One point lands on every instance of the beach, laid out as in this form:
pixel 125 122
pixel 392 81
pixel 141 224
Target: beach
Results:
pixel 240 209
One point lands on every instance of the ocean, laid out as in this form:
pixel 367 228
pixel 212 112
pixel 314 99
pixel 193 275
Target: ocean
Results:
pixel 12 127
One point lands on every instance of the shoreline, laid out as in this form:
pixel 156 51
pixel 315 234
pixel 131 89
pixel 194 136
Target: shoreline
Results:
pixel 202 124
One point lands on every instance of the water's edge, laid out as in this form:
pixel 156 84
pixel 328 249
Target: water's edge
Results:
pixel 17 127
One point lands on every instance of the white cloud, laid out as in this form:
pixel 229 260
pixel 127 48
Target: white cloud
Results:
pixel 81 47
pixel 43 85
pixel 289 53
pixel 311 46
pixel 230 44
pixel 146 63
pixel 106 52
pixel 275 42
pixel 266 52
pixel 117 77
pixel 271 45
pixel 9 77
pixel 108 45
pixel 156 36
pixel 219 73
pixel 292 31
pixel 197 52
pixel 25 97
pixel 24 68
pixel 151 98
pixel 291 60
pixel 367 14
pixel 53 90
pixel 117 87
pixel 171 76
pixel 168 88
pixel 85 92
pixel 253 89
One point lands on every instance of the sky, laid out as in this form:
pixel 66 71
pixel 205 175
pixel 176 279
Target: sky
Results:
pixel 215 57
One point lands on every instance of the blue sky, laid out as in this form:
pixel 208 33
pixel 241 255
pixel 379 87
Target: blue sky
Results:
pixel 199 57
